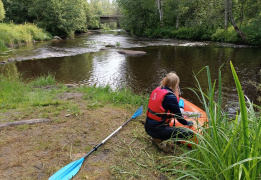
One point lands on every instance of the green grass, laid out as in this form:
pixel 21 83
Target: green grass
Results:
pixel 11 34
pixel 14 93
pixel 107 95
pixel 43 81
pixel 226 149
pixel 43 91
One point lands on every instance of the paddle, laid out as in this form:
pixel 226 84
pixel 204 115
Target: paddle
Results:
pixel 70 170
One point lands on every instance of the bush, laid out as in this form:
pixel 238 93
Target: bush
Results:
pixel 199 33
pixel 60 18
pixel 11 34
pixel 229 35
pixel 253 31
pixel 166 32
pixel 2 11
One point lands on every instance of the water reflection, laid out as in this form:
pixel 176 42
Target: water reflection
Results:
pixel 144 73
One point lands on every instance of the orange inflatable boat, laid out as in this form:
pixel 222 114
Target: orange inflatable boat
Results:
pixel 192 113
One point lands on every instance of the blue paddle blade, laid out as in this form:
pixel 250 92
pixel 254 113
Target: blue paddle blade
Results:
pixel 137 113
pixel 68 171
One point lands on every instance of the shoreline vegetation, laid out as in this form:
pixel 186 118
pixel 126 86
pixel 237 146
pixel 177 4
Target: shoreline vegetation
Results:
pixel 80 117
pixel 220 21
pixel 12 35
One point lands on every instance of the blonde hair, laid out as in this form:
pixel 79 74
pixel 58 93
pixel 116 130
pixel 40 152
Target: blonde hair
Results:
pixel 171 81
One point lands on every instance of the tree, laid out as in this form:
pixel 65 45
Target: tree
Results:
pixel 2 11
pixel 233 22
pixel 159 5
pixel 17 11
pixel 60 17
pixel 138 15
pixel 225 13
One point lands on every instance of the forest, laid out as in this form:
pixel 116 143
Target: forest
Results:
pixel 236 21
pixel 59 17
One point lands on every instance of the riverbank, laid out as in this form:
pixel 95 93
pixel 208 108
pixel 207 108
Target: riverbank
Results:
pixel 11 35
pixel 202 34
pixel 80 118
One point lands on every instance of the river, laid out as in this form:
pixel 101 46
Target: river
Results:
pixel 81 61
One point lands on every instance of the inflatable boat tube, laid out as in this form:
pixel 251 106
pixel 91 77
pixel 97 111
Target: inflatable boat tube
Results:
pixel 191 112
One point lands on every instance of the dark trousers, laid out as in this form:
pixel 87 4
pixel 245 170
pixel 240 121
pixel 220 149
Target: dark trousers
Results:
pixel 165 132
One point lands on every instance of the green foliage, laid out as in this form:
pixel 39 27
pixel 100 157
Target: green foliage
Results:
pixel 167 32
pixel 96 8
pixel 226 149
pixel 197 33
pixel 17 11
pixel 2 46
pixel 58 17
pixel 199 20
pixel 11 34
pixel 253 31
pixel 107 95
pixel 2 11
pixel 14 93
pixel 138 16
pixel 223 35
pixel 181 33
pixel 44 81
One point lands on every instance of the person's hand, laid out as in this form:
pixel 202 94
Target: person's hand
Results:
pixel 189 123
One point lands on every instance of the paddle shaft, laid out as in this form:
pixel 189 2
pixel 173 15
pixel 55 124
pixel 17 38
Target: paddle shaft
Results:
pixel 70 170
pixel 96 147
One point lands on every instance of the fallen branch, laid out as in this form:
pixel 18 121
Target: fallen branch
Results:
pixel 31 121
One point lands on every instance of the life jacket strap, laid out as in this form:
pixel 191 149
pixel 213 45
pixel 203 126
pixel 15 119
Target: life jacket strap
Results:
pixel 159 114
pixel 166 119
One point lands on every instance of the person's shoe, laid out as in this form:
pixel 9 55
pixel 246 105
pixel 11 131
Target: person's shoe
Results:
pixel 162 145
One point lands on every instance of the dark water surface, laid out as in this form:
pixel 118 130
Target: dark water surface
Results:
pixel 81 61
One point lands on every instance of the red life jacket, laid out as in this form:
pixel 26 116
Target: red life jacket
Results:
pixel 155 108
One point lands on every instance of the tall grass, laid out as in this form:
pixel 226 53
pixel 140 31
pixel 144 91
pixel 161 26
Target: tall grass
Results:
pixel 11 34
pixel 226 149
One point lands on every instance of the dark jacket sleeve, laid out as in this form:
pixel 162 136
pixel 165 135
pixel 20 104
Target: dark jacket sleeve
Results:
pixel 170 103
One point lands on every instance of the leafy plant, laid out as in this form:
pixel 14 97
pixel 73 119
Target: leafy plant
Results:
pixel 226 150
pixel 2 11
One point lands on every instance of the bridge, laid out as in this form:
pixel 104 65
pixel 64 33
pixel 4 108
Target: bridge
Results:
pixel 109 18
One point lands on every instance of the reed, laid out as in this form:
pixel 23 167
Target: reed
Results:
pixel 226 149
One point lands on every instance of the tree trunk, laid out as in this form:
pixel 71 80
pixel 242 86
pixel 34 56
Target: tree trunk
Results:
pixel 243 36
pixel 177 22
pixel 159 5
pixel 225 2
pixel 178 16
pixel 241 14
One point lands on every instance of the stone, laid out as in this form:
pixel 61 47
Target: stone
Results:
pixel 131 52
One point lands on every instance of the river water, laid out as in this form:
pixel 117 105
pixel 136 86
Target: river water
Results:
pixel 81 61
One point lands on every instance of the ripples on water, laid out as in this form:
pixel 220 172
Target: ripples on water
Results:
pixel 81 61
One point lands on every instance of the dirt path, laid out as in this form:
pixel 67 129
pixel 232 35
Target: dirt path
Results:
pixel 37 151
